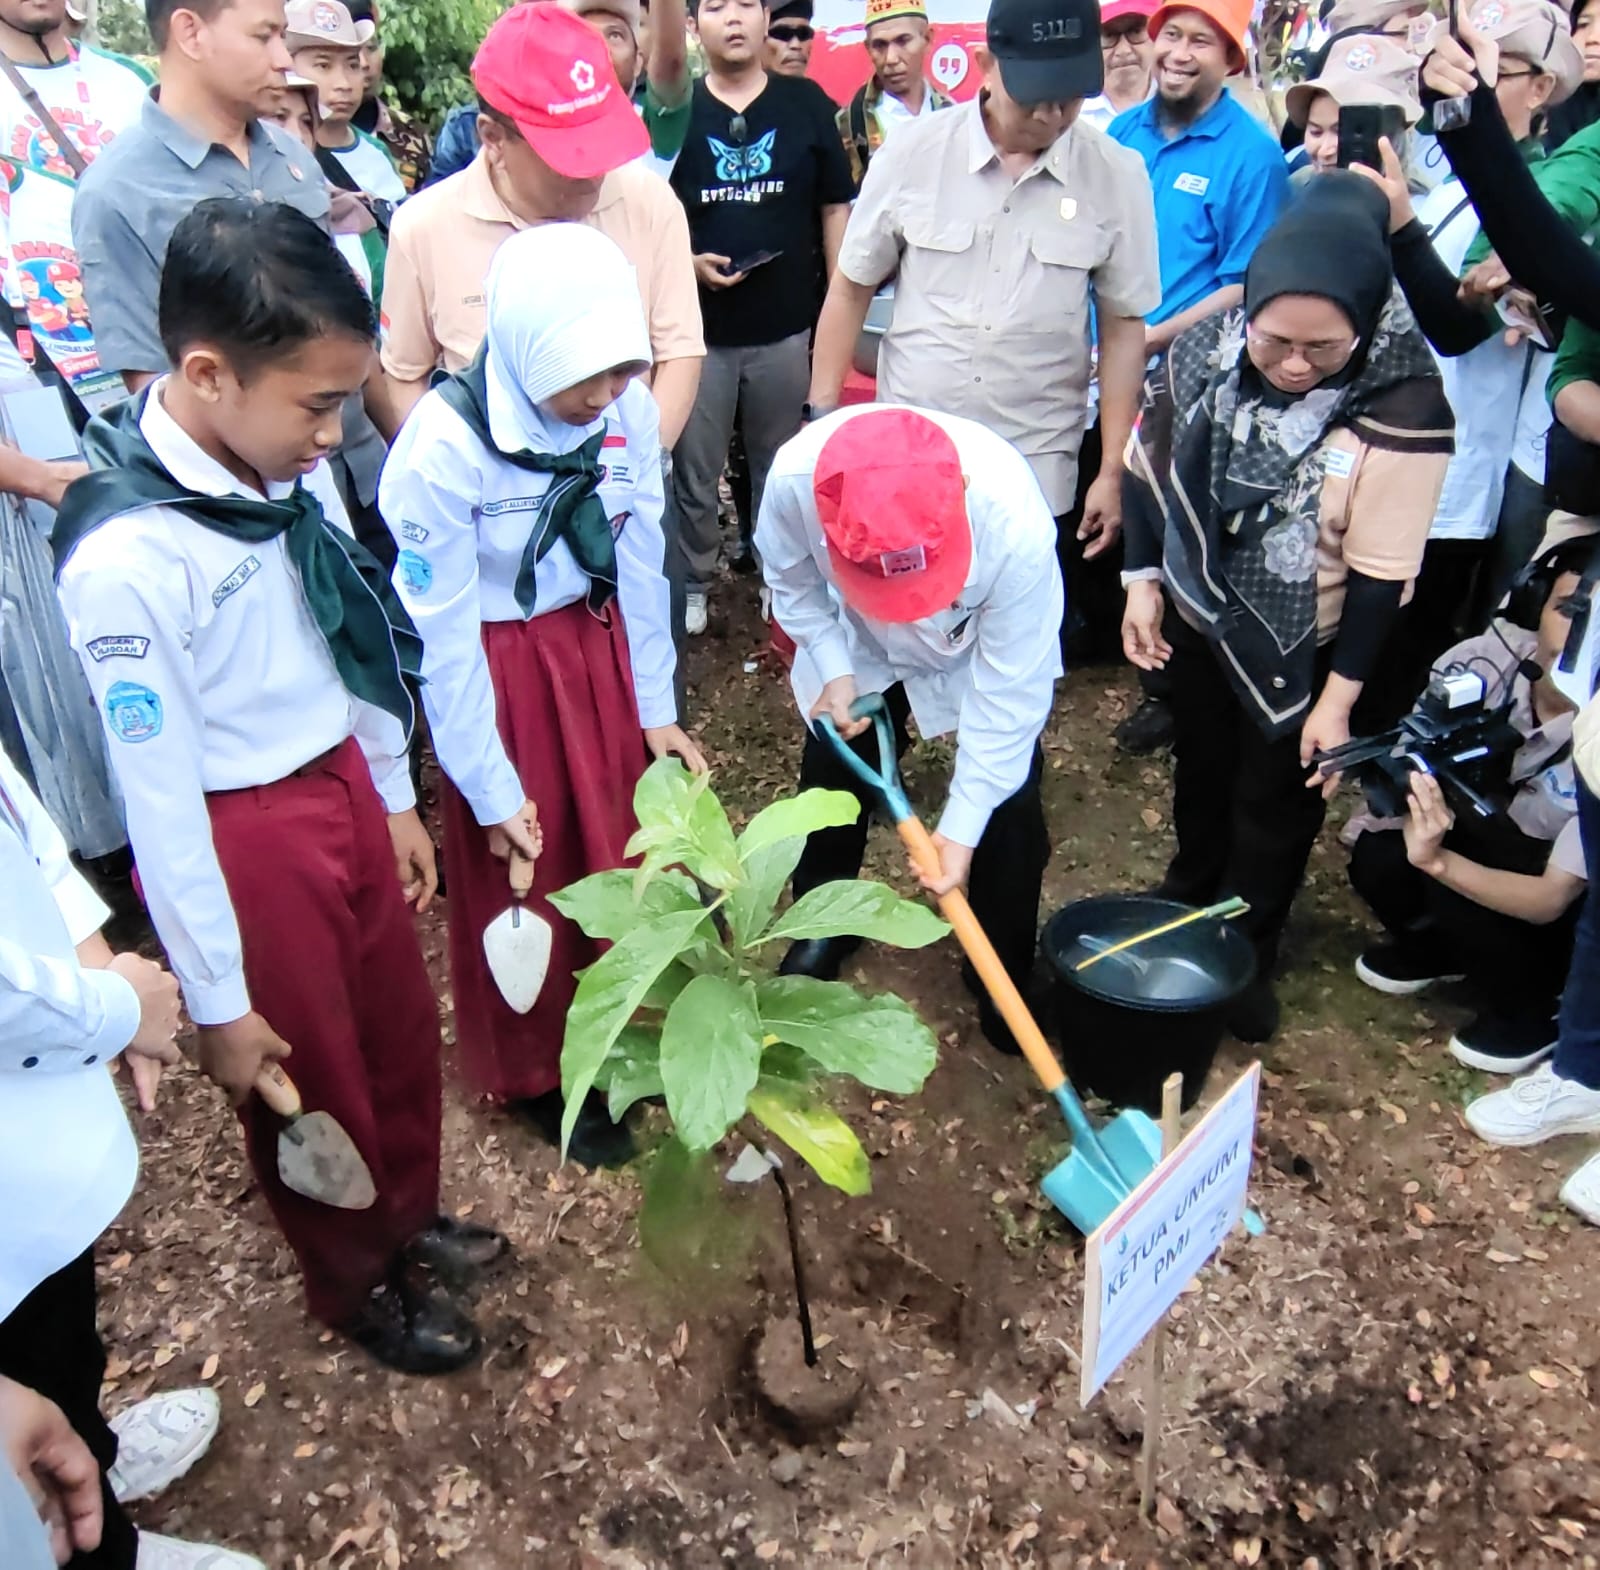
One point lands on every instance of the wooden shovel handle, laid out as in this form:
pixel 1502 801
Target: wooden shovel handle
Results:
pixel 1001 988
pixel 278 1091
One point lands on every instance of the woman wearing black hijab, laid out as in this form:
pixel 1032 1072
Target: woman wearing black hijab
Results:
pixel 1570 116
pixel 1286 468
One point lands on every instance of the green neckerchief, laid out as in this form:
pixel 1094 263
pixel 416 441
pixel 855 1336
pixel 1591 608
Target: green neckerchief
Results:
pixel 368 633
pixel 569 510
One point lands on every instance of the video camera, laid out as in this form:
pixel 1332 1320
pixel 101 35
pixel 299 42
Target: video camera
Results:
pixel 1453 735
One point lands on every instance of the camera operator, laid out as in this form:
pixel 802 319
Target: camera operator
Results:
pixel 1563 1095
pixel 1492 901
pixel 1281 481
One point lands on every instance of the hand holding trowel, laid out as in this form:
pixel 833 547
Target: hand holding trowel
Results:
pixel 516 943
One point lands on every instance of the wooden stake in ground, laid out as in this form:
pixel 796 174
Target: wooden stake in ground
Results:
pixel 1156 1347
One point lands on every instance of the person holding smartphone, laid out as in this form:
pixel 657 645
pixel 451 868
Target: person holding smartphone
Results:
pixel 765 183
pixel 1367 89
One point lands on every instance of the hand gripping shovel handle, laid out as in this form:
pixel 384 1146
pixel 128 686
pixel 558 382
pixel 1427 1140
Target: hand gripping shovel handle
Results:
pixel 278 1091
pixel 955 909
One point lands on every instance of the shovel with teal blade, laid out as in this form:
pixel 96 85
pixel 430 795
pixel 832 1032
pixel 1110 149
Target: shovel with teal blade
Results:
pixel 1104 1165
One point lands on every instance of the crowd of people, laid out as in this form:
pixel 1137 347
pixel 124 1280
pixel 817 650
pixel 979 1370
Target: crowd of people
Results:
pixel 326 445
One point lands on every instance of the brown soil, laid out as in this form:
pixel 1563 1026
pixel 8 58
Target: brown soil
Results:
pixel 1400 1372
pixel 810 1399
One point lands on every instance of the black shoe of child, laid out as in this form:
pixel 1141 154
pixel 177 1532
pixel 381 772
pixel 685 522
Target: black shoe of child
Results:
pixel 596 1140
pixel 820 958
pixel 1402 969
pixel 414 1330
pixel 744 563
pixel 1148 729
pixel 1505 1043
pixel 1253 1016
pixel 457 1251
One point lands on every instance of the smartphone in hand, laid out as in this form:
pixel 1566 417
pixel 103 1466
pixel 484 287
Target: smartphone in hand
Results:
pixel 1362 126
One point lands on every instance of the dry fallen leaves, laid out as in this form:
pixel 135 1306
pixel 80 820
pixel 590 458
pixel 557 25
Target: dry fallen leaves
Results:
pixel 254 1394
pixel 1544 1379
pixel 208 1369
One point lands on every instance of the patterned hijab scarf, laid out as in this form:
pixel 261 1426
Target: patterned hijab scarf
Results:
pixel 1228 470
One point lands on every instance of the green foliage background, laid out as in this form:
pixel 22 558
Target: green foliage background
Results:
pixel 428 47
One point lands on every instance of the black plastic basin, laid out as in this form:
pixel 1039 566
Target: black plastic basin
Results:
pixel 1129 1021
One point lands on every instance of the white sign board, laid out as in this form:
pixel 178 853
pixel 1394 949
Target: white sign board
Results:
pixel 1152 1245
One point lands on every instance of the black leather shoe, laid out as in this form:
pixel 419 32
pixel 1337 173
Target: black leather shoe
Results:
pixel 995 1030
pixel 413 1330
pixel 1148 729
pixel 457 1250
pixel 1253 1016
pixel 596 1140
pixel 820 958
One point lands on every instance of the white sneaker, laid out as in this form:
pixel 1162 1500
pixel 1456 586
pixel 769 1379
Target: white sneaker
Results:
pixel 694 612
pixel 158 1440
pixel 1538 1106
pixel 171 1553
pixel 1581 1191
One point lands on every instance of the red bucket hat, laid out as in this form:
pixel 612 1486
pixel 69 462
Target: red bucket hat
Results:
pixel 552 74
pixel 893 505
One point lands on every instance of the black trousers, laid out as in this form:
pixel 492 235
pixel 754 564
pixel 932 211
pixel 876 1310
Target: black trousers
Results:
pixel 49 1342
pixel 1091 629
pixel 1244 818
pixel 1007 865
pixel 1516 967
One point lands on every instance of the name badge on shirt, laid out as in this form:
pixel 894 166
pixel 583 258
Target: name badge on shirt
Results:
pixel 1337 463
pixel 237 579
pixel 1192 184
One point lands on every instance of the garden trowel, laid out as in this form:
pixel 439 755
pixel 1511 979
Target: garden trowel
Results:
pixel 316 1156
pixel 1104 1165
pixel 516 943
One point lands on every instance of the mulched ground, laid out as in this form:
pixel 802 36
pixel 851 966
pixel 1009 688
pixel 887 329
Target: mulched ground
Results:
pixel 1400 1372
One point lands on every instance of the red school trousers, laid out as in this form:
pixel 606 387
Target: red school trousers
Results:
pixel 333 965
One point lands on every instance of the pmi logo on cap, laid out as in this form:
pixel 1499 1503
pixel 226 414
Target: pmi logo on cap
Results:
pixel 898 564
pixel 1361 58
pixel 326 19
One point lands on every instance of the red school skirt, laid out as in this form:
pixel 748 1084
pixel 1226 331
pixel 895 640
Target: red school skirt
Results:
pixel 566 710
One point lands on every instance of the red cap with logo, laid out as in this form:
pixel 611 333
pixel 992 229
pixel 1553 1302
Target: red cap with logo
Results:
pixel 893 506
pixel 551 73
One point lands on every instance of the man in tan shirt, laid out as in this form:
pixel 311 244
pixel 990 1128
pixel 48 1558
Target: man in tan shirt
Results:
pixel 540 162
pixel 1002 222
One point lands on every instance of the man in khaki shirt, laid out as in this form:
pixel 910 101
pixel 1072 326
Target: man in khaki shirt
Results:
pixel 444 238
pixel 1002 222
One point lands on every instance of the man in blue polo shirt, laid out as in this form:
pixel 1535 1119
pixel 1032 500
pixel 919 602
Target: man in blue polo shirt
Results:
pixel 1219 179
pixel 1219 182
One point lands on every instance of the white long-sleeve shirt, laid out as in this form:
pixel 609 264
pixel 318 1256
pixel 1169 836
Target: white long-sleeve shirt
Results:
pixel 985 668
pixel 461 515
pixel 210 674
pixel 67 1155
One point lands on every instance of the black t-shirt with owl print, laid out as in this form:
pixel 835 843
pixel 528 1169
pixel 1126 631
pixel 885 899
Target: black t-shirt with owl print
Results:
pixel 757 181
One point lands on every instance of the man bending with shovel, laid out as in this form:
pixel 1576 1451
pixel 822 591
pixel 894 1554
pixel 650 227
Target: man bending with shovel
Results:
pixel 912 554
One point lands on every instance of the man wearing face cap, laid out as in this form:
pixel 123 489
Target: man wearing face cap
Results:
pixel 912 554
pixel 999 220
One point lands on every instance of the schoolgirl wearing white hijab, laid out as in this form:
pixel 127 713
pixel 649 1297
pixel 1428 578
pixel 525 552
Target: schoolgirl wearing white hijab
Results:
pixel 525 497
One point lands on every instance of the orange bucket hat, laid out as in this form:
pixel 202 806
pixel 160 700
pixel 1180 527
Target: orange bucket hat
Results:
pixel 1231 18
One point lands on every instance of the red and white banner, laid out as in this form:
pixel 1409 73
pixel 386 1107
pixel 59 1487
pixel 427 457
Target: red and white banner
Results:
pixel 839 57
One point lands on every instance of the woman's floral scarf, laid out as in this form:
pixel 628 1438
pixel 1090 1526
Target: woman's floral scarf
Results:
pixel 1227 473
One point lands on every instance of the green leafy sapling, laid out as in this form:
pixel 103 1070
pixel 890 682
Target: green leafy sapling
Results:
pixel 685 1005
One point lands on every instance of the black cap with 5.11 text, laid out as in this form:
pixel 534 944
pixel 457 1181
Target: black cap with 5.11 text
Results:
pixel 1048 50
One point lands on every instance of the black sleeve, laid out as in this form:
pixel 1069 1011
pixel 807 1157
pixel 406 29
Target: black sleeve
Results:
pixel 1543 252
pixel 1370 608
pixel 1430 290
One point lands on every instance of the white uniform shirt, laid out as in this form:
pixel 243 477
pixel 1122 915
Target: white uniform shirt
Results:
pixel 462 516
pixel 985 668
pixel 1484 387
pixel 210 675
pixel 67 1156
